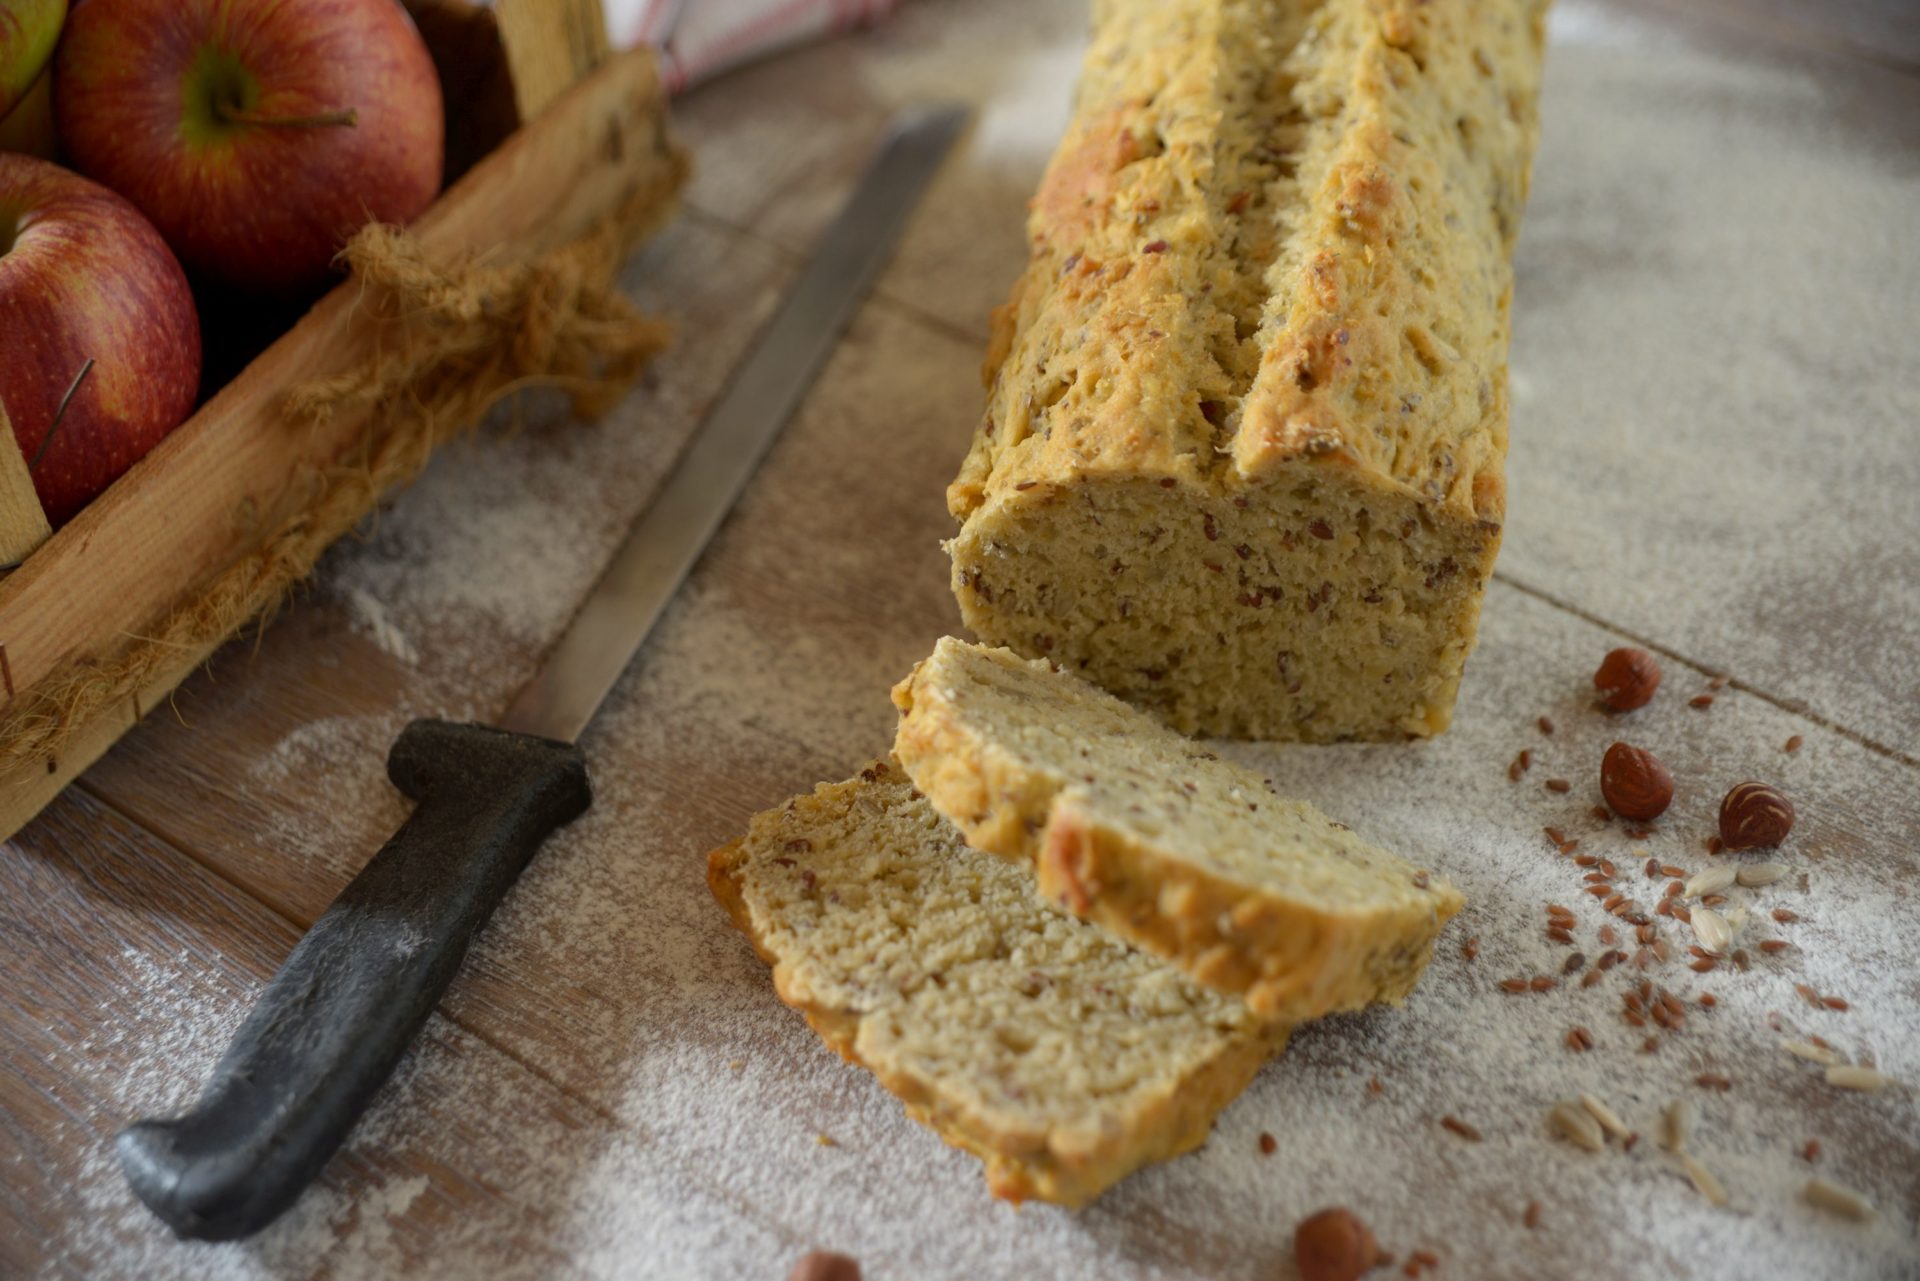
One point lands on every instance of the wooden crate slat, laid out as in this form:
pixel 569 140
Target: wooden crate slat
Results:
pixel 213 488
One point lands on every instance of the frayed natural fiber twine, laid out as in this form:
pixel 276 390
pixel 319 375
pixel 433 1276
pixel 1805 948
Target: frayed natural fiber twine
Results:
pixel 452 342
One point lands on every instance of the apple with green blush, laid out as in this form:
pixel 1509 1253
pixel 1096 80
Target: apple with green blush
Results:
pixel 28 31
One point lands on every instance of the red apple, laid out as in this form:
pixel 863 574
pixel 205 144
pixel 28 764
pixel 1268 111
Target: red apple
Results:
pixel 256 134
pixel 84 277
pixel 28 29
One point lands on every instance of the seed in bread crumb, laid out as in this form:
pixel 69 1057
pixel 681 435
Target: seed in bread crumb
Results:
pixel 1574 962
pixel 1513 985
pixel 1609 1120
pixel 1373 1085
pixel 1811 1152
pixel 1785 915
pixel 1773 947
pixel 1592 976
pixel 1334 1245
pixel 1268 1144
pixel 1579 1040
pixel 1840 1200
pixel 1812 1053
pixel 1676 1126
pixel 1542 983
pixel 1546 726
pixel 1714 1081
pixel 1470 949
pixel 1531 1215
pixel 1575 1124
pixel 825 1265
pixel 1701 701
pixel 1703 1180
pixel 1835 1002
pixel 1461 1128
pixel 1793 744
pixel 1851 1076
pixel 1559 785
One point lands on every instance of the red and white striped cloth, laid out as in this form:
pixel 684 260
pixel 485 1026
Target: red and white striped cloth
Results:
pixel 699 39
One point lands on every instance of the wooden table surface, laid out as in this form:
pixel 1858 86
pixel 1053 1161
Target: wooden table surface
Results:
pixel 1716 454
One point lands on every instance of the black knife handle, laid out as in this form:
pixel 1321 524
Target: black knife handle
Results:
pixel 330 1027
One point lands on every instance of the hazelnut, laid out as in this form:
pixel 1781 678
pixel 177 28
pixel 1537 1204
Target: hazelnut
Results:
pixel 825 1265
pixel 1627 679
pixel 1635 783
pixel 1754 814
pixel 1333 1245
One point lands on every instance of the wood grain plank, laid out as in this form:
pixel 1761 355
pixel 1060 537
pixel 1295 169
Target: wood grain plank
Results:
pixel 612 973
pixel 117 993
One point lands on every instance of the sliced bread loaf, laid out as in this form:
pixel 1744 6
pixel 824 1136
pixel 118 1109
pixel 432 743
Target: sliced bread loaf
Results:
pixel 1243 454
pixel 1158 840
pixel 1056 1053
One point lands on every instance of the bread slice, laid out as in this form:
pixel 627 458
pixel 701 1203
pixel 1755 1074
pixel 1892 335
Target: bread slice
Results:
pixel 1054 1052
pixel 1162 843
pixel 1243 456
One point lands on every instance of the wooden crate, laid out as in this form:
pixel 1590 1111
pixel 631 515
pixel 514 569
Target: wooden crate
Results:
pixel 204 499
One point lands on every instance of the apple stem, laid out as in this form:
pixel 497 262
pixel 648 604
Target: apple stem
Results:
pixel 59 414
pixel 237 116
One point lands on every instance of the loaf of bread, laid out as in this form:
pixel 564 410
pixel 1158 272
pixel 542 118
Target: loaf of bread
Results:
pixel 1059 1055
pixel 1162 843
pixel 1243 459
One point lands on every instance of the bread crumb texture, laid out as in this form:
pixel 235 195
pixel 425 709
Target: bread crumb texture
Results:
pixel 1243 457
pixel 1057 1054
pixel 1162 843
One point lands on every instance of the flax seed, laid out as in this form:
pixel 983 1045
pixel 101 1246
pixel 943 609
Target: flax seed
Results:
pixel 1586 860
pixel 1599 891
pixel 1785 915
pixel 1555 835
pixel 1514 985
pixel 1546 726
pixel 1702 965
pixel 1713 1081
pixel 1668 869
pixel 1606 865
pixel 1541 983
pixel 1574 963
pixel 1470 949
pixel 1608 936
pixel 1811 1152
pixel 1592 977
pixel 1835 1003
pixel 1773 947
pixel 1531 1215
pixel 1793 744
pixel 1268 1144
pixel 1461 1128
pixel 1560 785
pixel 1559 935
pixel 1653 870
pixel 1579 1040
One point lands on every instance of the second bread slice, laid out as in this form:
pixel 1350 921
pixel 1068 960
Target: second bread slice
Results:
pixel 1158 840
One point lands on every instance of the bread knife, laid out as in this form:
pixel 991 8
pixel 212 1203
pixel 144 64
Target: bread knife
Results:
pixel 330 1027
